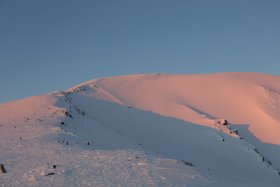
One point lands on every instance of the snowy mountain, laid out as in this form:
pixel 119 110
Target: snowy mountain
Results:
pixel 146 130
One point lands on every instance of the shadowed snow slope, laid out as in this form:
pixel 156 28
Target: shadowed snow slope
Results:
pixel 146 130
pixel 241 98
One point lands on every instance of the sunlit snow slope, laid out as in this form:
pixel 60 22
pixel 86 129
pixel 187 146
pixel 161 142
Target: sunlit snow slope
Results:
pixel 146 130
pixel 242 98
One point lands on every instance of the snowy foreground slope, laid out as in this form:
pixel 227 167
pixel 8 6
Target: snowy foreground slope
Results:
pixel 146 130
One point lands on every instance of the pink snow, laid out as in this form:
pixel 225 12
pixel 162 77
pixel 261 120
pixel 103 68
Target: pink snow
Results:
pixel 241 98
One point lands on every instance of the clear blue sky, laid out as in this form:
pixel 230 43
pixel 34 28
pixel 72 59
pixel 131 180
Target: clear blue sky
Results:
pixel 48 45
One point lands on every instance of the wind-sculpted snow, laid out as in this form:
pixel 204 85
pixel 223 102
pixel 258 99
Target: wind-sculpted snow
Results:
pixel 52 145
pixel 153 130
pixel 241 98
pixel 237 97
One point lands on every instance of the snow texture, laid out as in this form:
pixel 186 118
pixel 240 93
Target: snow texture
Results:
pixel 146 130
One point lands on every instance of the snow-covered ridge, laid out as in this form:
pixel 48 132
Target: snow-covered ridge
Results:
pixel 241 98
pixel 146 130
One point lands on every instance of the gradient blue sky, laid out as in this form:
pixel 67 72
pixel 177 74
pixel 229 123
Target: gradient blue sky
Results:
pixel 48 45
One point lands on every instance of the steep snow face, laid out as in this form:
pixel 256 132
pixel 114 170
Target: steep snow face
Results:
pixel 241 98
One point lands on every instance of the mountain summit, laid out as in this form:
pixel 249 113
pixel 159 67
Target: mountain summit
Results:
pixel 146 130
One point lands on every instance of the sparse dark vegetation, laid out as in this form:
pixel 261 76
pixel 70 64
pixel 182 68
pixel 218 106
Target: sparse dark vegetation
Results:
pixel 68 114
pixel 2 168
pixel 187 163
pixel 49 174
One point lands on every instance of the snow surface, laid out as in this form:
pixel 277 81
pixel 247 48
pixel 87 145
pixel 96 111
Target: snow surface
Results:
pixel 146 130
